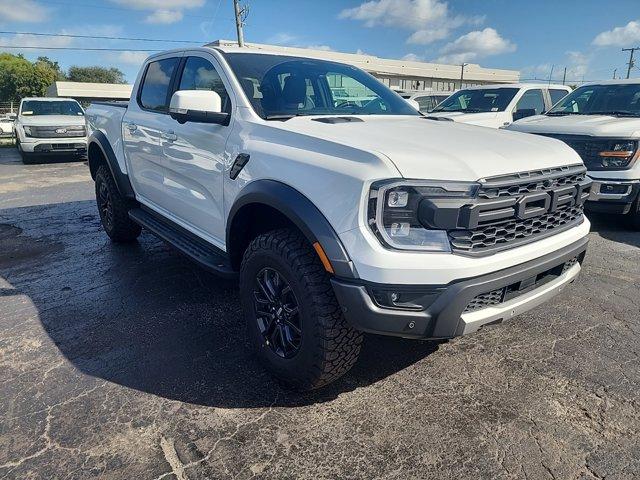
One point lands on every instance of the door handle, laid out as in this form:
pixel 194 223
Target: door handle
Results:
pixel 169 136
pixel 132 127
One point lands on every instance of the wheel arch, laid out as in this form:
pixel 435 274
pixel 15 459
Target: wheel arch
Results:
pixel 267 204
pixel 99 152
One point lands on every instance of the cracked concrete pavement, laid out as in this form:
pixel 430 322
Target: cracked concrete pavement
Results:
pixel 125 362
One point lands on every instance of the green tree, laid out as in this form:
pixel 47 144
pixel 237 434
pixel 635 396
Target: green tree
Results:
pixel 20 78
pixel 53 65
pixel 95 74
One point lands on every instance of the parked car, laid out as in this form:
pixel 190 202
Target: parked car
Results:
pixel 496 106
pixel 46 126
pixel 600 121
pixel 427 100
pixel 6 127
pixel 337 219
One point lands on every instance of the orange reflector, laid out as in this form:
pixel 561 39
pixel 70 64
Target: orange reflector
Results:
pixel 323 257
pixel 612 153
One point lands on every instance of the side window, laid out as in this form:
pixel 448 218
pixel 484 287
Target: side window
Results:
pixel 557 95
pixel 155 85
pixel 531 100
pixel 425 103
pixel 200 74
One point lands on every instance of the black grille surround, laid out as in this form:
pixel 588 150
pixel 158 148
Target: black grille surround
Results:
pixel 589 148
pixel 511 210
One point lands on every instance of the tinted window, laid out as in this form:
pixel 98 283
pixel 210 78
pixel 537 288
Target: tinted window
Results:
pixel 531 100
pixel 556 95
pixel 426 103
pixel 622 99
pixel 282 86
pixel 200 74
pixel 156 83
pixel 39 107
pixel 480 100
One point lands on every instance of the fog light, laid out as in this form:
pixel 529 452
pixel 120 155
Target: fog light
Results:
pixel 614 189
pixel 400 229
pixel 398 199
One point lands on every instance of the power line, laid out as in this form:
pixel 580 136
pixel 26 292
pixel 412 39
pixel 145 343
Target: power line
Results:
pixel 101 37
pixel 36 47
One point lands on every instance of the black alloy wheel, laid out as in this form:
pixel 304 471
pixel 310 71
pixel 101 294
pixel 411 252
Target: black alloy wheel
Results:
pixel 105 205
pixel 277 313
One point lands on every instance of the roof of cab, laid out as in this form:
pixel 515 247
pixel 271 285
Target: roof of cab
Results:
pixel 519 85
pixel 47 99
pixel 629 81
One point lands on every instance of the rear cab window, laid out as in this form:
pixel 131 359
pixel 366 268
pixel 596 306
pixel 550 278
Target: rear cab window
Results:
pixel 557 95
pixel 156 84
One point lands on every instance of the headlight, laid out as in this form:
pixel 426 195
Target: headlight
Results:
pixel 394 212
pixel 27 131
pixel 619 154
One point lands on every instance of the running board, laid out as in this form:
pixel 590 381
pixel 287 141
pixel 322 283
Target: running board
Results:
pixel 209 257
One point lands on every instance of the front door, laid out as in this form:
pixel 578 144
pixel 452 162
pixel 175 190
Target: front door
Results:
pixel 194 155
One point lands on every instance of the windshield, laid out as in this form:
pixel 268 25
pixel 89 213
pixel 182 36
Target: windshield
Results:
pixel 475 101
pixel 280 87
pixel 39 107
pixel 620 99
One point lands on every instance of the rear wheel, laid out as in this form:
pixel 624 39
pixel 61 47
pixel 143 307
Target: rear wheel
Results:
pixel 114 209
pixel 294 323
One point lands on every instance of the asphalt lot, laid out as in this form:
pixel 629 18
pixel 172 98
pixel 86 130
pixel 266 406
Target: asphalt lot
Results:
pixel 126 362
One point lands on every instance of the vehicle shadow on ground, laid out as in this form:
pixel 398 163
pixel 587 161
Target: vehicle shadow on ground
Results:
pixel 144 317
pixel 615 228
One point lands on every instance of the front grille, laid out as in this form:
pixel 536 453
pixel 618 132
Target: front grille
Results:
pixel 588 148
pixel 484 300
pixel 63 132
pixel 518 208
pixel 516 230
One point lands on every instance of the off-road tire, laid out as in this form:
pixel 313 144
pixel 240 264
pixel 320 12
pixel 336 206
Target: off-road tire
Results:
pixel 329 345
pixel 116 223
pixel 633 217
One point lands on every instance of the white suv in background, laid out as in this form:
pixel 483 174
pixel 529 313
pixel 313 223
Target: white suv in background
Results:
pixel 46 126
pixel 426 100
pixel 499 105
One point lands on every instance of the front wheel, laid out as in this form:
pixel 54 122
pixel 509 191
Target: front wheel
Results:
pixel 633 217
pixel 294 322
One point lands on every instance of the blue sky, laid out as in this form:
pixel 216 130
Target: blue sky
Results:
pixel 584 36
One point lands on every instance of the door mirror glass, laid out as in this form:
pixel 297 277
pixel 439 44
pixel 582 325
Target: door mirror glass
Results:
pixel 203 106
pixel 523 113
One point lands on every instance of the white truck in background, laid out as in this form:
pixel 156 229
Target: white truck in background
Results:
pixel 50 126
pixel 600 121
pixel 499 105
pixel 338 216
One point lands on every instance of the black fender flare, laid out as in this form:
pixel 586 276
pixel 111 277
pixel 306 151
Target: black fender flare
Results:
pixel 302 213
pixel 100 140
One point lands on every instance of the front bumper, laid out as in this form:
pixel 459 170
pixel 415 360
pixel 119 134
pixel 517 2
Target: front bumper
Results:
pixel 57 146
pixel 445 310
pixel 612 196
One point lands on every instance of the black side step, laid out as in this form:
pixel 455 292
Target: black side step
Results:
pixel 209 257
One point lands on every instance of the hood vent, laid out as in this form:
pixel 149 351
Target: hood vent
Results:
pixel 333 120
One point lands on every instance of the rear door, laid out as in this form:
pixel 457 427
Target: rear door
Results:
pixel 194 154
pixel 141 128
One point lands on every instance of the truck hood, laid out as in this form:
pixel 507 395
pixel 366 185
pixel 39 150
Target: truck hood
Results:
pixel 430 149
pixel 483 119
pixel 51 120
pixel 595 125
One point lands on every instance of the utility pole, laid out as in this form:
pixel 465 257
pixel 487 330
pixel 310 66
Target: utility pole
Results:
pixel 462 73
pixel 564 75
pixel 631 62
pixel 241 15
pixel 614 73
pixel 551 74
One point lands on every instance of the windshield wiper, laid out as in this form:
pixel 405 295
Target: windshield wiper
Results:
pixel 285 116
pixel 463 110
pixel 559 114
pixel 618 113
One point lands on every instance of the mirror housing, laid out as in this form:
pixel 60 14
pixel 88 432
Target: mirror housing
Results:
pixel 201 106
pixel 523 113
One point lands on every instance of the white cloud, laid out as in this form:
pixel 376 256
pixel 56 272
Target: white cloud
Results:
pixel 429 20
pixel 21 40
pixel 162 11
pixel 282 38
pixel 164 17
pixel 131 58
pixel 475 45
pixel 625 36
pixel 412 57
pixel 22 11
pixel 326 48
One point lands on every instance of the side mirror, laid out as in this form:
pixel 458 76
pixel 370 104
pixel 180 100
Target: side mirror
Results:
pixel 202 106
pixel 523 113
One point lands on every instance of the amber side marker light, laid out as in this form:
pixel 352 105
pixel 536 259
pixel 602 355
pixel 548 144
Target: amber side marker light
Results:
pixel 323 257
pixel 613 153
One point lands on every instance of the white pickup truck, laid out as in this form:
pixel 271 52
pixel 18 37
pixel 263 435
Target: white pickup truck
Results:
pixel 601 121
pixel 50 126
pixel 497 106
pixel 339 217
